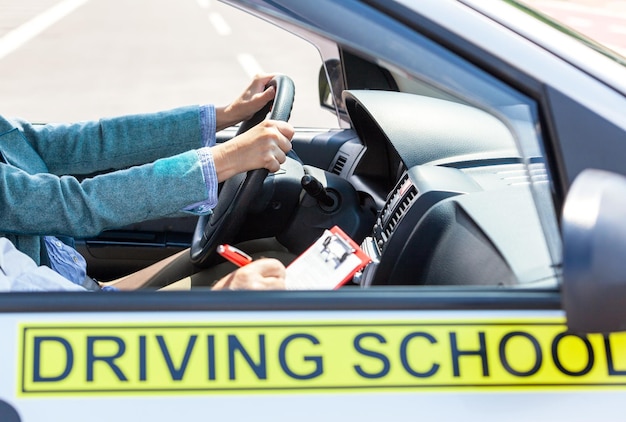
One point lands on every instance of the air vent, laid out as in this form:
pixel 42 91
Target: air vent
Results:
pixel 338 167
pixel 398 202
pixel 399 211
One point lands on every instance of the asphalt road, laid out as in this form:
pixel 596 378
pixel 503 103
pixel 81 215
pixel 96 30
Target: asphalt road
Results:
pixel 63 60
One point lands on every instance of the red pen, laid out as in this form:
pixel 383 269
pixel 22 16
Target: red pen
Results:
pixel 234 255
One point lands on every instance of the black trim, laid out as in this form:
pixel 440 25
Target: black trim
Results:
pixel 348 299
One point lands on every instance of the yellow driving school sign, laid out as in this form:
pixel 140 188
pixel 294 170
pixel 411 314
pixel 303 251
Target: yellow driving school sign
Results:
pixel 248 358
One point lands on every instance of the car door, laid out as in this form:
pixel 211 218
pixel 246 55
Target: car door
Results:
pixel 383 352
pixel 368 354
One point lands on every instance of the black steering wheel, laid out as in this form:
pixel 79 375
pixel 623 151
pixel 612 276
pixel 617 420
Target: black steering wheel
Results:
pixel 238 191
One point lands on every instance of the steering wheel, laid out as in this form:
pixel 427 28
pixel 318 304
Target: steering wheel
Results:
pixel 238 191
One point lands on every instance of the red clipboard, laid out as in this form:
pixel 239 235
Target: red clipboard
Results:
pixel 327 264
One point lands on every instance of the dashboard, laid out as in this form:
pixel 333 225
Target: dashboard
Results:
pixel 451 190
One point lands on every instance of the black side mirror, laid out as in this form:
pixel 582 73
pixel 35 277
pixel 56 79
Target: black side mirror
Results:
pixel 330 89
pixel 594 253
pixel 325 93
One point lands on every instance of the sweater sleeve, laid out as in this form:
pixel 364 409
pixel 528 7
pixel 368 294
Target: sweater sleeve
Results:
pixel 68 206
pixel 115 143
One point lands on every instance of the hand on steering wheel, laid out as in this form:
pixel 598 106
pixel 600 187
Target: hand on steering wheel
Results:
pixel 238 191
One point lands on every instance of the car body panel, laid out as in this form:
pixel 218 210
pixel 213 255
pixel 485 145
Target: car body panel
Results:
pixel 379 364
pixel 483 339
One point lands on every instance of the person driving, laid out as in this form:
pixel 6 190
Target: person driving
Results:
pixel 77 180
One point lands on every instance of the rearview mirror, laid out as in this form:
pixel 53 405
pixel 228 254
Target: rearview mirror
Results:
pixel 594 253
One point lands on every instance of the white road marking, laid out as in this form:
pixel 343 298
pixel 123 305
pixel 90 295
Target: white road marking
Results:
pixel 249 64
pixel 14 39
pixel 220 24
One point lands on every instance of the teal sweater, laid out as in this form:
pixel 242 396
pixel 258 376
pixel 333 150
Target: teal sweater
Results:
pixel 44 191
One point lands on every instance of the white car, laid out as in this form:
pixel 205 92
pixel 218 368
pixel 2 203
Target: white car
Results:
pixel 479 165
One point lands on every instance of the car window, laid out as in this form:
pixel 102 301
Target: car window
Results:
pixel 147 67
pixel 434 71
pixel 85 60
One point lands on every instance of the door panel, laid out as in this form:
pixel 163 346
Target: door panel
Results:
pixel 448 354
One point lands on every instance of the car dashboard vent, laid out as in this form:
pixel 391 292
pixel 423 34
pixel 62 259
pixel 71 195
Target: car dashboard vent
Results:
pixel 398 203
pixel 339 164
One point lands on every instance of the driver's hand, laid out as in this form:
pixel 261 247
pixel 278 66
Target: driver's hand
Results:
pixel 262 274
pixel 263 146
pixel 253 98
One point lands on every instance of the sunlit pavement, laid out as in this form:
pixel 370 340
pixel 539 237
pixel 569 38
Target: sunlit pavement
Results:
pixel 601 20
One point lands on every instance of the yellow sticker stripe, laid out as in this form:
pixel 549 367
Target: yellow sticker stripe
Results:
pixel 269 357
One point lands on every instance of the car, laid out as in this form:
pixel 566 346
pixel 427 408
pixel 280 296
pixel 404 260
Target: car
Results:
pixel 478 162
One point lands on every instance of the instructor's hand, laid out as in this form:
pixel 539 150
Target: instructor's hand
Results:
pixel 262 274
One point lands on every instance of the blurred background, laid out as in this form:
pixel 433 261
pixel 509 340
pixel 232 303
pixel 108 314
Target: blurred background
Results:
pixel 603 21
pixel 66 60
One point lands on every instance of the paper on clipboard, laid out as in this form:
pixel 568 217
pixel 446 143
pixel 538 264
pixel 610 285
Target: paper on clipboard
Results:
pixel 327 264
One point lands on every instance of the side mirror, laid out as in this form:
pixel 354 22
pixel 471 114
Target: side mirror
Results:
pixel 330 95
pixel 594 253
pixel 324 91
pixel 331 87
